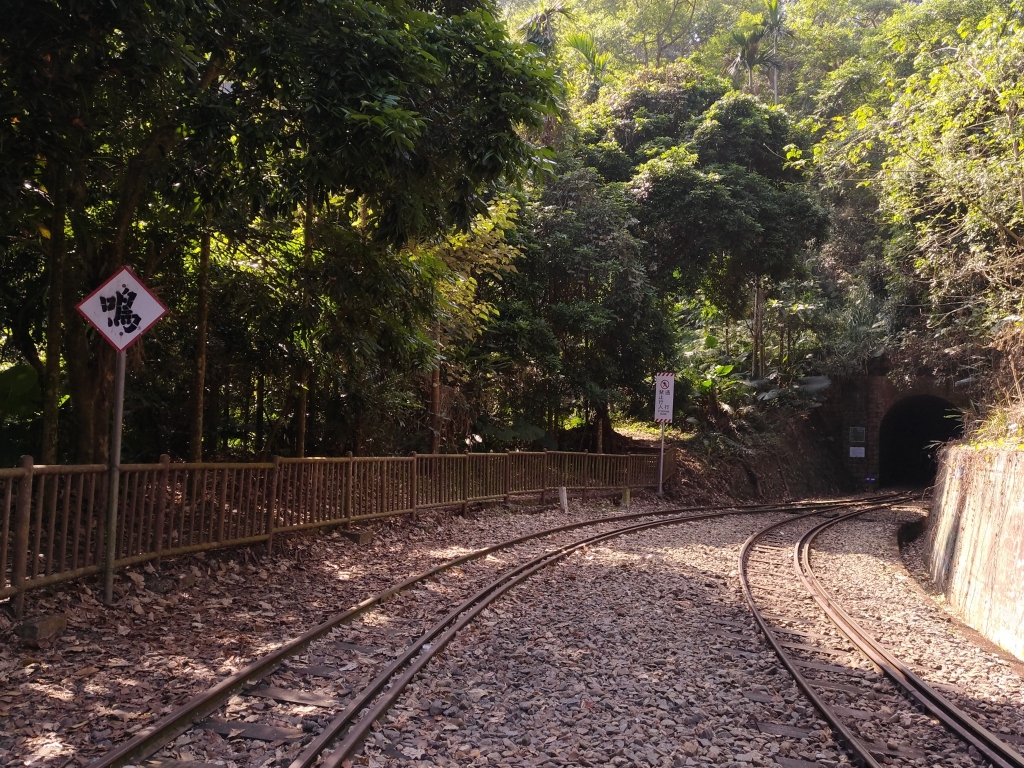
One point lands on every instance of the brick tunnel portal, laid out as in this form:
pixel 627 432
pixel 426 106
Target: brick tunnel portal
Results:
pixel 908 436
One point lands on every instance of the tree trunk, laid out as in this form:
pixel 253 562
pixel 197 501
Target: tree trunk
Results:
pixel 260 411
pixel 781 343
pixel 758 340
pixel 435 409
pixel 278 423
pixel 307 259
pixel 224 418
pixel 90 372
pixel 81 383
pixel 89 363
pixel 300 415
pixel 775 67
pixel 603 429
pixel 212 425
pixel 310 442
pixel 55 319
pixel 195 442
pixel 307 229
pixel 789 343
pixel 246 420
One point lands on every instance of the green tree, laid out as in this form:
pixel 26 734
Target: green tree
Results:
pixel 143 132
pixel 775 28
pixel 951 184
pixel 725 213
pixel 750 55
pixel 596 63
pixel 580 326
pixel 643 115
pixel 539 27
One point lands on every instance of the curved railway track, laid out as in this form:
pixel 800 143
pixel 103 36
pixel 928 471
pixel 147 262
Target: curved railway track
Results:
pixel 334 723
pixel 868 696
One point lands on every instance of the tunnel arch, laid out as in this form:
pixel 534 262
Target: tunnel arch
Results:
pixel 907 435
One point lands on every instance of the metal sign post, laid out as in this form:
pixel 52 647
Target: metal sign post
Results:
pixel 121 309
pixel 114 470
pixel 664 401
pixel 661 460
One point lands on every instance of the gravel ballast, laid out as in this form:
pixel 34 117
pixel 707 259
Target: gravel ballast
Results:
pixel 860 563
pixel 636 651
pixel 639 651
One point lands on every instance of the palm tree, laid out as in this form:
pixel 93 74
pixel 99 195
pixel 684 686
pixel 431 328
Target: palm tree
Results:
pixel 750 54
pixel 774 21
pixel 539 28
pixel 596 63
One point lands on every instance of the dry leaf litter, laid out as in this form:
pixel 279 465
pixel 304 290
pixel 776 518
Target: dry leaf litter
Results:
pixel 176 631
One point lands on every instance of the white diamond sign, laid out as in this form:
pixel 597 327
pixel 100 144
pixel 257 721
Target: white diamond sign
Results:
pixel 122 309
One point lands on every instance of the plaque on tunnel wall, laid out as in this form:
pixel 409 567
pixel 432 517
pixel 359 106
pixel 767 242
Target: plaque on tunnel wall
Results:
pixel 858 435
pixel 856 451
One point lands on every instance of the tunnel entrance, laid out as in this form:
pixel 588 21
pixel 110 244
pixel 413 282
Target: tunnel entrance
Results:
pixel 907 436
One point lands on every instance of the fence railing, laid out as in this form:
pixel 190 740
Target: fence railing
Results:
pixel 54 523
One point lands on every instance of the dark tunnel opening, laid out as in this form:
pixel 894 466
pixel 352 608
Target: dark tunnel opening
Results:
pixel 907 439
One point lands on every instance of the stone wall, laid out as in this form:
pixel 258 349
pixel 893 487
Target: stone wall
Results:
pixel 975 540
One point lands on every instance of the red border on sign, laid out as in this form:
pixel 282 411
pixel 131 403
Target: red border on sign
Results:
pixel 78 308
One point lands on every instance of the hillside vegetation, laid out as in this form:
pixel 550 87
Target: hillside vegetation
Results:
pixel 446 226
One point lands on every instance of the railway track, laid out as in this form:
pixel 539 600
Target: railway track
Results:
pixel 878 707
pixel 317 697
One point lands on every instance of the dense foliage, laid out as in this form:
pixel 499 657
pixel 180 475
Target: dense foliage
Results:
pixel 414 225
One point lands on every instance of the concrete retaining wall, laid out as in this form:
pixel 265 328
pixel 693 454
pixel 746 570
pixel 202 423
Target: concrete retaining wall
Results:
pixel 975 540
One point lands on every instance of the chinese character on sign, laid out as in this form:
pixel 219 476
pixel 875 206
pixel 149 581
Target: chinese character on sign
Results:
pixel 121 305
pixel 122 309
pixel 664 391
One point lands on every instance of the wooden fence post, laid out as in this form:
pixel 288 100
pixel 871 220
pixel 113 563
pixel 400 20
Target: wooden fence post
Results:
pixel 222 503
pixel 465 483
pixel 161 502
pixel 413 489
pixel 507 479
pixel 275 474
pixel 349 475
pixel 586 473
pixel 22 516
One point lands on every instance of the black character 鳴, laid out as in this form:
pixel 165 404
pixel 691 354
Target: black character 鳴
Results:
pixel 121 305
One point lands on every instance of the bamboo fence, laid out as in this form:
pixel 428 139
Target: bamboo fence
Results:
pixel 55 526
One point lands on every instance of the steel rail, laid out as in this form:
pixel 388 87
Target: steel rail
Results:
pixel 852 741
pixel 150 740
pixel 462 616
pixel 954 719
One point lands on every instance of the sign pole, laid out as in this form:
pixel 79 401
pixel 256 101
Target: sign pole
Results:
pixel 115 478
pixel 661 461
pixel 120 310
